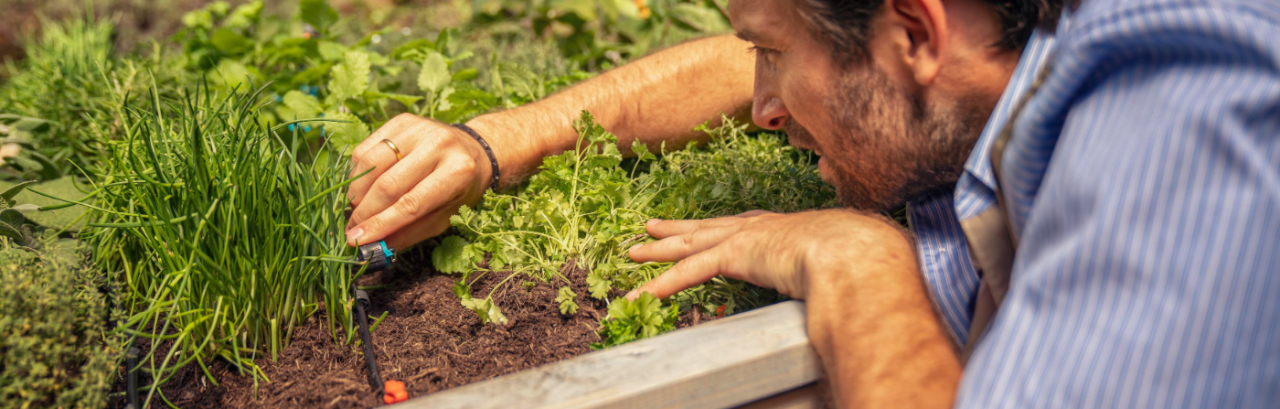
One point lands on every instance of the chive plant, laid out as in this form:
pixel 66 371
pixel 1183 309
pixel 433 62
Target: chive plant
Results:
pixel 225 234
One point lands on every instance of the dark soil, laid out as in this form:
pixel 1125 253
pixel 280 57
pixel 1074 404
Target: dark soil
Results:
pixel 428 341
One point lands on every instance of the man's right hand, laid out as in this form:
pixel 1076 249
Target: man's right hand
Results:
pixel 407 200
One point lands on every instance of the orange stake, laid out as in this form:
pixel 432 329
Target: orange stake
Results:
pixel 394 392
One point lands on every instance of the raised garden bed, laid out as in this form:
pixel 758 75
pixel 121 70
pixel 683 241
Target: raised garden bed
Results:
pixel 448 359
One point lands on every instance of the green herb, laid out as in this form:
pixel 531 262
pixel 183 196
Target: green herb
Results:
pixel 632 320
pixel 589 206
pixel 565 297
pixel 55 349
pixel 224 240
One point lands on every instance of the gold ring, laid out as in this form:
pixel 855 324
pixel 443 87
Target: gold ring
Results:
pixel 393 147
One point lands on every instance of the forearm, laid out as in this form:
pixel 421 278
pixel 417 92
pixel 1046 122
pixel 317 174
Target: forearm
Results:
pixel 880 342
pixel 657 99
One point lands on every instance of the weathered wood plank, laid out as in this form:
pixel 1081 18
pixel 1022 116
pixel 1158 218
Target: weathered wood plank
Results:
pixel 805 397
pixel 721 364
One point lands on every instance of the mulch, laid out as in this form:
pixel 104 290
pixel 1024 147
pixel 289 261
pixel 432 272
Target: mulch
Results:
pixel 428 340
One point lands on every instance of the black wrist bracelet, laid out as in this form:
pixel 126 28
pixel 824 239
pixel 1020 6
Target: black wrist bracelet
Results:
pixel 487 150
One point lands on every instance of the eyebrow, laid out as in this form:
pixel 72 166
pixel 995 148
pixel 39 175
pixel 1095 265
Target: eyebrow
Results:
pixel 747 35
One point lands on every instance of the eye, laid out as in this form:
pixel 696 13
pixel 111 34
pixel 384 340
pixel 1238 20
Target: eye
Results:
pixel 767 55
pixel 758 50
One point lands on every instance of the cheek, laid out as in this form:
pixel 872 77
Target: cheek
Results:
pixel 805 95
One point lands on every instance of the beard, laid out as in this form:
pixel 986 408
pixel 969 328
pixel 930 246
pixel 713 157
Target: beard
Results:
pixel 889 147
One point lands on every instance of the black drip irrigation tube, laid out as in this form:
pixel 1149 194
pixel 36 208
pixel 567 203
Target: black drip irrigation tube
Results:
pixel 373 258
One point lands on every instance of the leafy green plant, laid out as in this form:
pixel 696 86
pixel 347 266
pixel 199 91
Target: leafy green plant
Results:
pixel 312 74
pixel 222 238
pixel 55 349
pixel 631 320
pixel 57 92
pixel 13 225
pixel 603 33
pixel 589 206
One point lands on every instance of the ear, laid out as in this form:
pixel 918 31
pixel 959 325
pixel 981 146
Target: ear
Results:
pixel 924 23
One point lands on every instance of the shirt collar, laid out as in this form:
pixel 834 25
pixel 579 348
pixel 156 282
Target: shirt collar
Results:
pixel 1034 55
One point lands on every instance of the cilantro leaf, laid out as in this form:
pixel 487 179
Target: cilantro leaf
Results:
pixel 452 256
pixel 487 310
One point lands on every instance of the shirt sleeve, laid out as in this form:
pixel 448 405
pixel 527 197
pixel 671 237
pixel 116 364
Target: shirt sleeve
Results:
pixel 1147 272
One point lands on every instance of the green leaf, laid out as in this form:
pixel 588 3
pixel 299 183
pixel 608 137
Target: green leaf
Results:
pixel 598 285
pixel 631 320
pixel 244 16
pixel 331 51
pixel 642 151
pixel 62 188
pixel 12 221
pixel 318 14
pixel 434 74
pixel 407 100
pixel 198 19
pixel 230 42
pixel 232 74
pixel 462 289
pixel 301 105
pixel 351 77
pixel 13 233
pixel 465 75
pixel 487 310
pixel 453 256
pixel 565 297
pixel 12 191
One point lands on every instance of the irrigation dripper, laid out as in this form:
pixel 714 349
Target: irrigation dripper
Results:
pixel 375 257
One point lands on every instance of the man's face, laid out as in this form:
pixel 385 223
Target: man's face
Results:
pixel 880 143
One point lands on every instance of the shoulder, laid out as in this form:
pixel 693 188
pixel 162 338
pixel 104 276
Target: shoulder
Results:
pixel 1109 33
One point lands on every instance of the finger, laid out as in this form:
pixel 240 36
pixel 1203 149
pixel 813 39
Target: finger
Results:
pixel 431 194
pixel 395 126
pixel 697 269
pixel 679 247
pixel 393 184
pixel 427 227
pixel 755 213
pixel 376 155
pixel 667 228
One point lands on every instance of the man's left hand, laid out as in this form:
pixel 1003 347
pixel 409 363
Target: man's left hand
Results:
pixel 766 249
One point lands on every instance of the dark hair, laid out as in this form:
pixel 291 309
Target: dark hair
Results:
pixel 846 24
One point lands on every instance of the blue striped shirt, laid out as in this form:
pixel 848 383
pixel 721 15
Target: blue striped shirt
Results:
pixel 1142 182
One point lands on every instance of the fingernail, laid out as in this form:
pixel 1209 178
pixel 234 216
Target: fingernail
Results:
pixel 652 222
pixel 633 248
pixel 631 296
pixel 354 235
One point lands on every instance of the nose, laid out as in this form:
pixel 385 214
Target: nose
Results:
pixel 769 112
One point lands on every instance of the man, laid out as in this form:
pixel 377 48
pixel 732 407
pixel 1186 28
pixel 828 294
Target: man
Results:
pixel 1103 241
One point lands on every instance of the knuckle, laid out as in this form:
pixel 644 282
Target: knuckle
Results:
pixel 387 185
pixel 466 167
pixel 411 205
pixel 687 241
pixel 405 117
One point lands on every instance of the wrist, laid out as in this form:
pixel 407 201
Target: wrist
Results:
pixel 873 266
pixel 507 149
